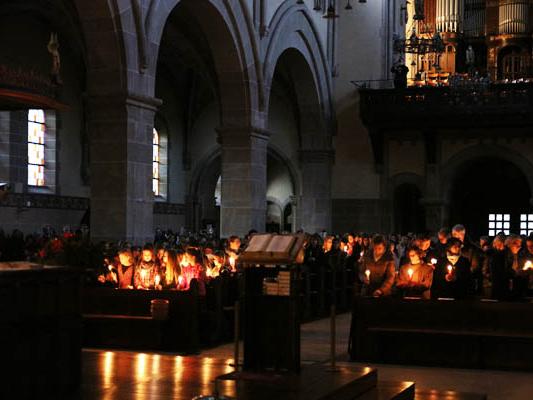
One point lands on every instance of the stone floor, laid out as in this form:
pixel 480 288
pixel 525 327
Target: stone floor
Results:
pixel 499 385
pixel 100 365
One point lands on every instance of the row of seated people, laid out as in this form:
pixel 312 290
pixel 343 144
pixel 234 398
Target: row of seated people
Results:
pixel 431 274
pixel 166 269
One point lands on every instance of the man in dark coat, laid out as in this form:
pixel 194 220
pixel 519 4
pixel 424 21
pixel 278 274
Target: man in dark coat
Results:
pixel 377 270
pixel 471 252
pixel 498 269
pixel 452 277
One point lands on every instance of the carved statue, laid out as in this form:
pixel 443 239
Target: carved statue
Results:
pixel 470 55
pixel 53 49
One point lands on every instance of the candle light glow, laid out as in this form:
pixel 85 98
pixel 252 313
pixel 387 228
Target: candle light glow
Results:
pixel 410 272
pixel 450 269
pixel 528 265
pixel 434 261
pixel 367 273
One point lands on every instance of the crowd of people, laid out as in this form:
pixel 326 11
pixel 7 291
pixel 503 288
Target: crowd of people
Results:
pixel 447 265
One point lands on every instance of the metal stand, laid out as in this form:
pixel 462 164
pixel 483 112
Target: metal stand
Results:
pixel 237 333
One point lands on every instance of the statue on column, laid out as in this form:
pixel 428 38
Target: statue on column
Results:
pixel 470 59
pixel 53 49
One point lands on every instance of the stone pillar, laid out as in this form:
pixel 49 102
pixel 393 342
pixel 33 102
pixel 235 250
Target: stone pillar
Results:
pixel 120 131
pixel 435 213
pixel 315 203
pixel 244 174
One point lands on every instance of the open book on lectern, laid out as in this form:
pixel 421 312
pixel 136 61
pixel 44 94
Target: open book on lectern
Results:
pixel 272 249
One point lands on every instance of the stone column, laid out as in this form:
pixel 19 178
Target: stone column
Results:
pixel 314 207
pixel 244 174
pixel 120 131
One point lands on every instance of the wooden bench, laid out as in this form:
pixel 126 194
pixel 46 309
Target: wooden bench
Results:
pixel 122 318
pixel 469 334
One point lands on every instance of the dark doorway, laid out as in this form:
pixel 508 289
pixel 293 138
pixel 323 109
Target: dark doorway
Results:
pixel 488 186
pixel 409 214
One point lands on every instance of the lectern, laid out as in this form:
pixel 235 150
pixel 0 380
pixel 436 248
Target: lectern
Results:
pixel 271 302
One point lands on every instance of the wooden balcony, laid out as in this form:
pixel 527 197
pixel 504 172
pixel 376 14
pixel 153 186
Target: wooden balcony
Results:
pixel 494 105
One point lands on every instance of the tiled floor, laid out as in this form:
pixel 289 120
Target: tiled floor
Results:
pixel 145 372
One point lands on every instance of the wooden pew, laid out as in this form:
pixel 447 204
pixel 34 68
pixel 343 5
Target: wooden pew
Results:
pixel 470 334
pixel 122 318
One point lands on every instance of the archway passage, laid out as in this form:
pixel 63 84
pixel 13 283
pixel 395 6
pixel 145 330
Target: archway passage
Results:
pixel 488 186
pixel 409 214
pixel 280 190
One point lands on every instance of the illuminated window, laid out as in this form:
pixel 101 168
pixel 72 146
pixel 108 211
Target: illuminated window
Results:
pixel 499 223
pixel 156 163
pixel 36 134
pixel 526 224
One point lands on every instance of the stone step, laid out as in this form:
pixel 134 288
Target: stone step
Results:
pixel 388 390
pixel 447 395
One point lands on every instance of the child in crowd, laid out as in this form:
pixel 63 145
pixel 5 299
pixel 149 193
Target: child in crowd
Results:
pixel 146 270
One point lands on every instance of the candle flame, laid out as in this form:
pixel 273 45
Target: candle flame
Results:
pixel 157 280
pixel 410 272
pixel 433 261
pixel 528 265
pixel 367 273
pixel 450 269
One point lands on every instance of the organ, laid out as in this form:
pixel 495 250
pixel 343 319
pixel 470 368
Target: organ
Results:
pixel 499 31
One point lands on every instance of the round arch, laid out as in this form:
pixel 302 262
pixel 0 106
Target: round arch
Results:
pixel 234 53
pixel 486 181
pixel 453 166
pixel 206 175
pixel 293 33
pixel 406 193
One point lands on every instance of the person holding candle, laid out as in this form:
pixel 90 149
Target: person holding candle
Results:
pixel 471 252
pixel 452 277
pixel 125 269
pixel 415 278
pixel 146 270
pixel 191 269
pixel 519 272
pixel 377 272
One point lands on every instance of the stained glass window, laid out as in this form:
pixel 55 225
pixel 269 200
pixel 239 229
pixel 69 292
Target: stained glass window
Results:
pixel 36 134
pixel 499 223
pixel 156 172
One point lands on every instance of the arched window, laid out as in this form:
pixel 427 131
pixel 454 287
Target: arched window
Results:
pixel 156 164
pixel 36 138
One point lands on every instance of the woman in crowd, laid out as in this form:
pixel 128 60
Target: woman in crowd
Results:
pixel 146 270
pixel 125 269
pixel 190 269
pixel 377 270
pixel 415 277
pixel 452 277
pixel 170 269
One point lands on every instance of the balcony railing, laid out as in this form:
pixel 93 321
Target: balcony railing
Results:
pixel 471 105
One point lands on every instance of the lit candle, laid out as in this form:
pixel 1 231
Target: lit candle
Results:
pixel 362 253
pixel 143 275
pixel 450 269
pixel 346 249
pixel 367 273
pixel 528 265
pixel 157 280
pixel 232 262
pixel 180 280
pixel 434 261
pixel 410 273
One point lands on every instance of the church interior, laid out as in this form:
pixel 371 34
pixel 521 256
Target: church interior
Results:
pixel 227 199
